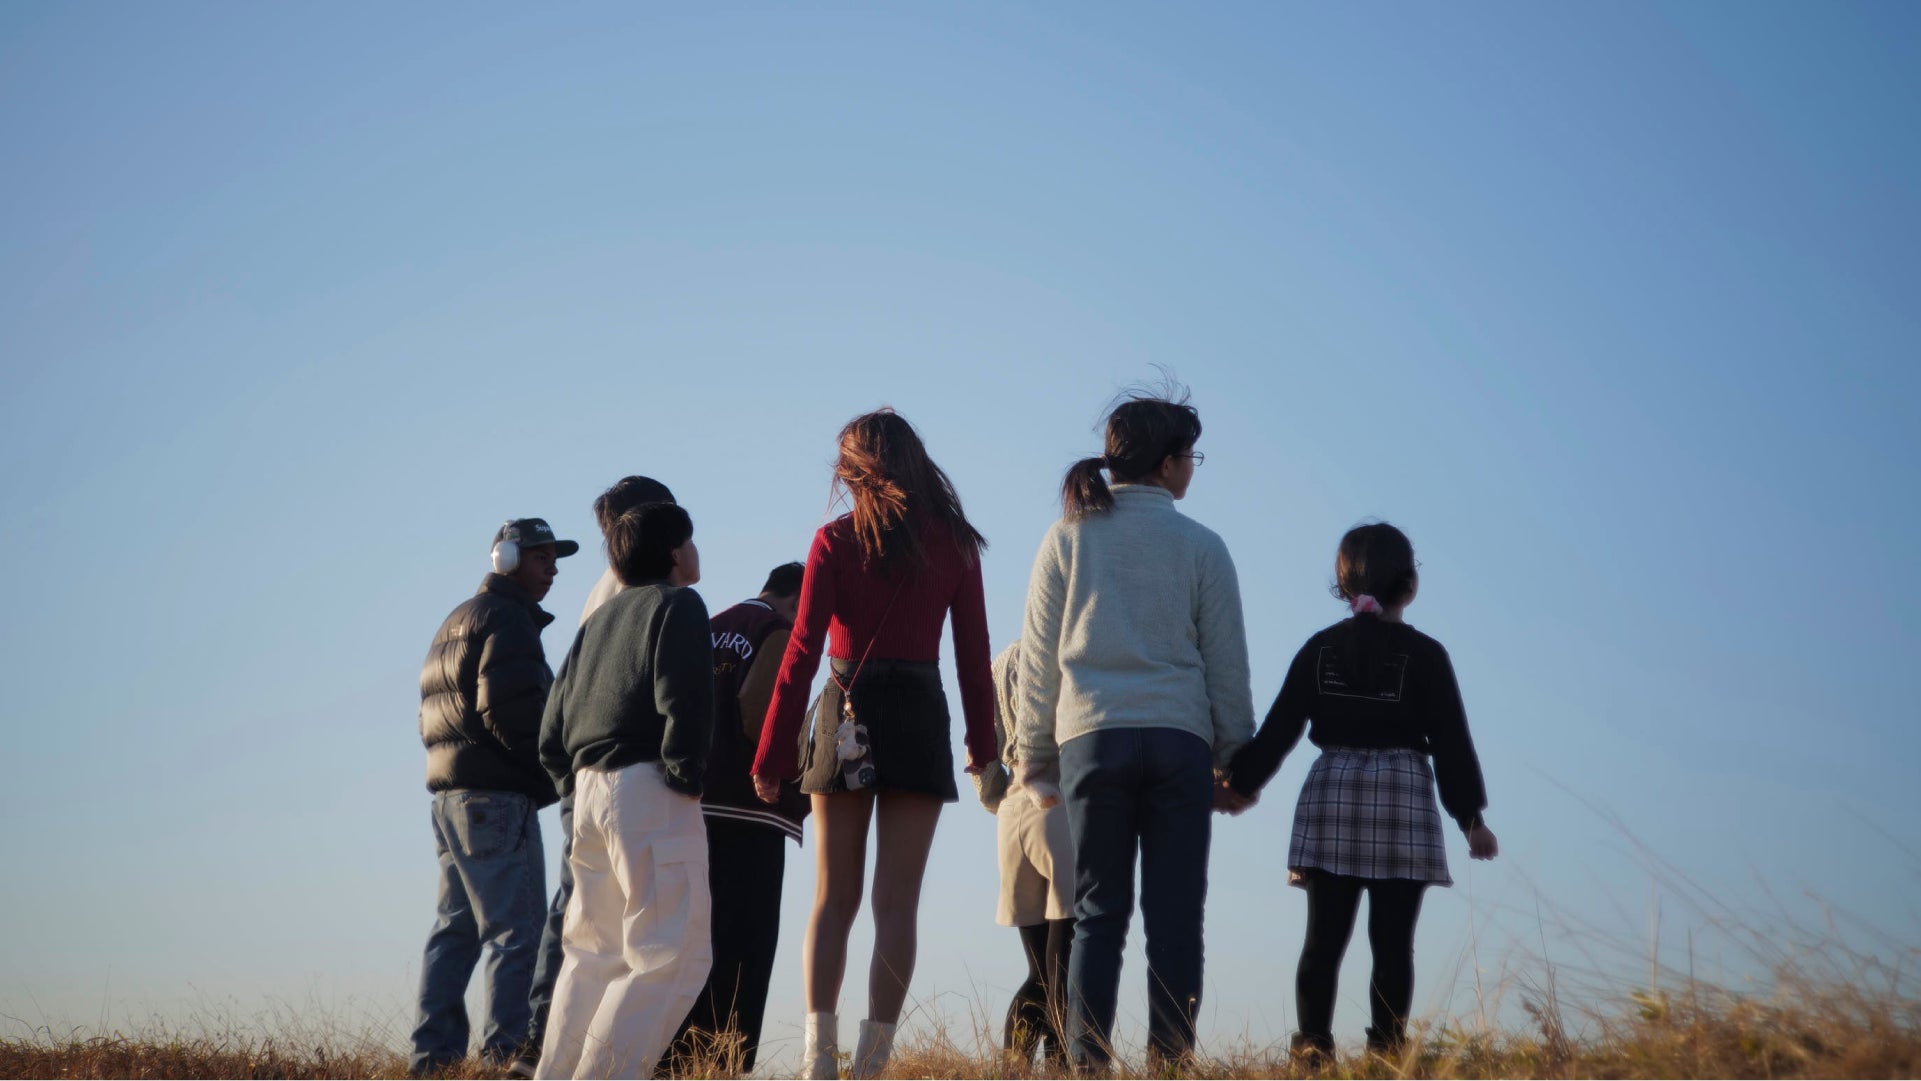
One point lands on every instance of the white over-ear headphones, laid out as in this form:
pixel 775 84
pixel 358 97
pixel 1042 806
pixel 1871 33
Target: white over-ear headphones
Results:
pixel 507 551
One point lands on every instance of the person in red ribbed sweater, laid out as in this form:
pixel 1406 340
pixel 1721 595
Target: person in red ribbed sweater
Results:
pixel 879 583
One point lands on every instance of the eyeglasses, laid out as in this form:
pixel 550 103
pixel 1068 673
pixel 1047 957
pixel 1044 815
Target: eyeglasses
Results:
pixel 1195 456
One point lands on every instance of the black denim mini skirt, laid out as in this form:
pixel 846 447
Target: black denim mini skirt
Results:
pixel 908 730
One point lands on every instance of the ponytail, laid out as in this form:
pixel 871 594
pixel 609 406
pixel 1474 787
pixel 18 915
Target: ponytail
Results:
pixel 1084 492
pixel 1145 428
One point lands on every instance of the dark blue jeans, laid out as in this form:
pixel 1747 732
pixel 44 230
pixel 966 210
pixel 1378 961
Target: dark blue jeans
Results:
pixel 492 883
pixel 547 969
pixel 1151 791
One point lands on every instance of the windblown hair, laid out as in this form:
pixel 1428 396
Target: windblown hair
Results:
pixel 641 541
pixel 1142 431
pixel 626 494
pixel 1375 561
pixel 897 492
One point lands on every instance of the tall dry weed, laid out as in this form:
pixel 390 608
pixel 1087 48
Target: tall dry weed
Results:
pixel 1835 1000
pixel 1800 1030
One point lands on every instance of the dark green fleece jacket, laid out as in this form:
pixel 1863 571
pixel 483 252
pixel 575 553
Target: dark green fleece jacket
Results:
pixel 637 686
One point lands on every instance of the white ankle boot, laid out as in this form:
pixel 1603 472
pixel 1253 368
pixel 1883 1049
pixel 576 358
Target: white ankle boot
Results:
pixel 820 1047
pixel 876 1046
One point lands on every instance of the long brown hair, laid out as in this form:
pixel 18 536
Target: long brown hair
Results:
pixel 897 490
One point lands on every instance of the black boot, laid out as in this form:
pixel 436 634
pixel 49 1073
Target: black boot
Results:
pixel 1314 1052
pixel 1387 1043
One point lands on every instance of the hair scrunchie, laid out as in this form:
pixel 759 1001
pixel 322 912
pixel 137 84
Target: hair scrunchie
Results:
pixel 1363 604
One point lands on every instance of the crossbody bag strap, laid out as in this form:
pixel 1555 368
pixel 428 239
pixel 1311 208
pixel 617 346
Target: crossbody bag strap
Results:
pixel 847 688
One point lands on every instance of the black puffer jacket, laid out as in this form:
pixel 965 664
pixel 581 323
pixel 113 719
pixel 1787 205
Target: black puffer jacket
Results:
pixel 482 692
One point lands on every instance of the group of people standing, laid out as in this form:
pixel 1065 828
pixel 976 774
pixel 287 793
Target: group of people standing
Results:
pixel 681 749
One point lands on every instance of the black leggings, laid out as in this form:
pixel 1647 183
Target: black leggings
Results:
pixel 1042 1001
pixel 1332 903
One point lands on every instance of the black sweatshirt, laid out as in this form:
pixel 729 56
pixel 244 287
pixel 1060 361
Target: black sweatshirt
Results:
pixel 637 686
pixel 1414 704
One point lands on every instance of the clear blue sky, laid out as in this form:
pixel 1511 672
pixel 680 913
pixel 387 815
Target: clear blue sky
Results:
pixel 1611 307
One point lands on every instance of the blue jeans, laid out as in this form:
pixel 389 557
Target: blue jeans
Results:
pixel 1149 790
pixel 492 882
pixel 541 999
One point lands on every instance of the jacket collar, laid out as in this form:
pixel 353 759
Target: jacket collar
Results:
pixel 507 588
pixel 1144 494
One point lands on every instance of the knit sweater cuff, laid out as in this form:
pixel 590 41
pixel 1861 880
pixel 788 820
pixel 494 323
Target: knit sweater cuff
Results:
pixel 1033 770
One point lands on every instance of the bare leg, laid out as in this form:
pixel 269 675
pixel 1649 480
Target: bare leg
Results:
pixel 840 867
pixel 906 833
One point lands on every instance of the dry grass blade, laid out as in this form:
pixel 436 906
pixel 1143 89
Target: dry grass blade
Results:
pixel 1803 1029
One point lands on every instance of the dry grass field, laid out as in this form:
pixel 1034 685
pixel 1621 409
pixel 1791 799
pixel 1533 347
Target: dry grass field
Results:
pixel 1801 1031
pixel 1828 1004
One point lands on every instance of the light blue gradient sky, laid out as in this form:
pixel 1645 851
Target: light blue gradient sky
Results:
pixel 1612 307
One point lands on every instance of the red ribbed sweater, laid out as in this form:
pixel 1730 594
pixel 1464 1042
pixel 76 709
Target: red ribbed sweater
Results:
pixel 843 603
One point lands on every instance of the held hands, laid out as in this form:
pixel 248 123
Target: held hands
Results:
pixel 767 788
pixel 1228 801
pixel 1481 844
pixel 1042 781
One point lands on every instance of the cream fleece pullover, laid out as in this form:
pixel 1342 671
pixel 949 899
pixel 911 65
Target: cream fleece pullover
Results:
pixel 1133 621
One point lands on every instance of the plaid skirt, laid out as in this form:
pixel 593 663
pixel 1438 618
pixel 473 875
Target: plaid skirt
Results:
pixel 1369 813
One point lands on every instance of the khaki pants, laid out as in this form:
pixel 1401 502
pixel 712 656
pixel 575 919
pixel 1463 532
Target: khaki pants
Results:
pixel 636 940
pixel 1037 861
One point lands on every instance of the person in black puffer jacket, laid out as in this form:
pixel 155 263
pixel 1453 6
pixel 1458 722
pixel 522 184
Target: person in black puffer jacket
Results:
pixel 482 692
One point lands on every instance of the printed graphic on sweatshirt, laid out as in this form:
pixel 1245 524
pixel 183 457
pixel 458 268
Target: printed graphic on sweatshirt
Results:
pixel 740 644
pixel 733 642
pixel 1390 675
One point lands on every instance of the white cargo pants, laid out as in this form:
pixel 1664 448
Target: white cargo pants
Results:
pixel 636 942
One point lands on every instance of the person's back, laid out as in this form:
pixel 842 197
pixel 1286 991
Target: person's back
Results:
pixel 749 641
pixel 1382 698
pixel 1408 701
pixel 857 610
pixel 876 588
pixel 627 493
pixel 1036 850
pixel 478 726
pixel 1133 689
pixel 636 665
pixel 1149 629
pixel 626 732
pixel 746 839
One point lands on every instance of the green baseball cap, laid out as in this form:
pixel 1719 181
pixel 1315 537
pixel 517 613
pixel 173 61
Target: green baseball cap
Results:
pixel 530 532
